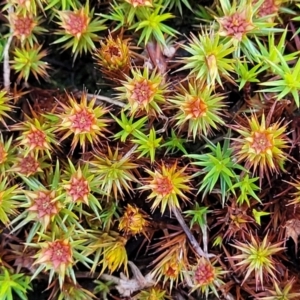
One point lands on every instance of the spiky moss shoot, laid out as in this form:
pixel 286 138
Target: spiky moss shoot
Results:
pixel 36 136
pixel 171 266
pixel 206 277
pixel 139 3
pixel 246 188
pixel 167 185
pixel 144 92
pixel 79 29
pixel 28 60
pixel 134 221
pixel 115 173
pixel 171 269
pixel 295 196
pixel 256 257
pixel 13 283
pixel 208 60
pixel 83 120
pixel 198 108
pixel 5 107
pixel 106 246
pixel 260 145
pixel 7 154
pixel 56 256
pixel 10 199
pixel 114 55
pixel 115 255
pixel 282 291
pixel 45 206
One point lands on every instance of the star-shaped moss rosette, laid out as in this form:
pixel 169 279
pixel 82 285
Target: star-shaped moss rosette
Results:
pixel 41 209
pixel 115 173
pixel 209 60
pixel 83 121
pixel 115 255
pixel 218 168
pixel 6 107
pixel 10 198
pixel 238 22
pixel 198 108
pixel 25 26
pixel 174 143
pixel 257 257
pixel 78 29
pixel 144 16
pixel 78 188
pixel 274 56
pixel 114 54
pixel 109 251
pixel 58 253
pixel 167 185
pixel 206 277
pixel 151 25
pixel 171 267
pixel 285 79
pixel 261 146
pixel 81 187
pixel 147 144
pixel 134 221
pixel 36 136
pixel 7 154
pixel 56 256
pixel 129 126
pixel 245 190
pixel 114 57
pixel 44 206
pixel 145 92
pixel 29 164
